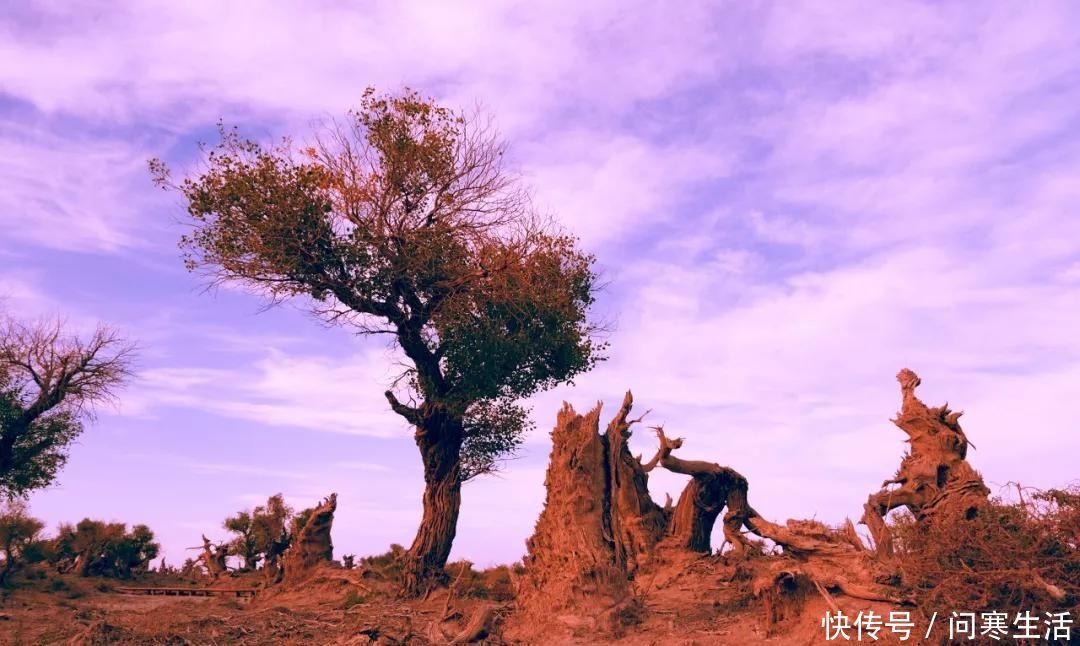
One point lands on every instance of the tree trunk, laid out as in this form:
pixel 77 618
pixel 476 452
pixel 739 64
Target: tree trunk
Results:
pixel 439 437
pixel 9 564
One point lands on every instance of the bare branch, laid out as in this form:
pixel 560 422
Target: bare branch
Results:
pixel 46 373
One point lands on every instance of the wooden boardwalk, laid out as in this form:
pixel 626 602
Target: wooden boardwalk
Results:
pixel 190 592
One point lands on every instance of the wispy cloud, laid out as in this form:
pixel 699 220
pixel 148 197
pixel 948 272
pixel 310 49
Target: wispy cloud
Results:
pixel 247 470
pixel 321 393
pixel 68 190
pixel 361 466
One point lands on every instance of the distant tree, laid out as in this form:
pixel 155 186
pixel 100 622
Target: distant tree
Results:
pixel 191 569
pixel 18 533
pixel 244 544
pixel 50 381
pixel 96 548
pixel 270 523
pixel 257 530
pixel 404 222
pixel 132 554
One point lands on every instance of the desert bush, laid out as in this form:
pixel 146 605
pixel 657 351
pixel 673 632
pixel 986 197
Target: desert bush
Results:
pixel 18 532
pixel 495 584
pixel 388 564
pixel 352 598
pixel 1011 557
pixel 191 569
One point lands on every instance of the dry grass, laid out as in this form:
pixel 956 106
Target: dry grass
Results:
pixel 1011 557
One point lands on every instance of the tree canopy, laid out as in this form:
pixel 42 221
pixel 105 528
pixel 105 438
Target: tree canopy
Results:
pixel 50 380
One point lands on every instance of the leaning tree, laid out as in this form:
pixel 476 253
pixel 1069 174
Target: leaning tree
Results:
pixel 403 221
pixel 50 381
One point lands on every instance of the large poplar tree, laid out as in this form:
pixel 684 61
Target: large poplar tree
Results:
pixel 404 221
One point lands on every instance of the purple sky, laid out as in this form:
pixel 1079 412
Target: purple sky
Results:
pixel 790 203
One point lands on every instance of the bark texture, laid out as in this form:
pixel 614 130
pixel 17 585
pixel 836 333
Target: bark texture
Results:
pixel 600 528
pixel 934 475
pixel 439 438
pixel 711 489
pixel 822 559
pixel 637 522
pixel 601 540
pixel 311 544
pixel 574 571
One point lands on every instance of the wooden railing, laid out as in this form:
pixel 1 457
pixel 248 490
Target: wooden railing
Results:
pixel 190 592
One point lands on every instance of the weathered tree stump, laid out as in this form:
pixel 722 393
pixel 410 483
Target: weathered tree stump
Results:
pixel 214 557
pixel 600 530
pixel 573 571
pixel 311 544
pixel 934 475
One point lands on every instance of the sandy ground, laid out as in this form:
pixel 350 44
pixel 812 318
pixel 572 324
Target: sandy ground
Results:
pixel 708 606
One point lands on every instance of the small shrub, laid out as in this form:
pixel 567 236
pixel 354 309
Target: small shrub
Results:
pixel 353 598
pixel 494 584
pixel 388 564
pixel 58 585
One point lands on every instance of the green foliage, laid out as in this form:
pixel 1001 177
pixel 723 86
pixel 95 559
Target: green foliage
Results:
pixel 403 221
pixel 495 584
pixel 189 568
pixel 39 451
pixel 300 520
pixel 492 428
pixel 352 598
pixel 388 564
pixel 244 543
pixel 39 551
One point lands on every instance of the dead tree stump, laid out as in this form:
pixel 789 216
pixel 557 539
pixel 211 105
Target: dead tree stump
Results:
pixel 590 534
pixel 637 522
pixel 214 558
pixel 311 544
pixel 600 529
